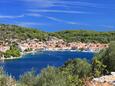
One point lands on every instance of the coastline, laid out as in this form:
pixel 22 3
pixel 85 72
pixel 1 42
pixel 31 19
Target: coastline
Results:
pixel 22 54
pixel 34 51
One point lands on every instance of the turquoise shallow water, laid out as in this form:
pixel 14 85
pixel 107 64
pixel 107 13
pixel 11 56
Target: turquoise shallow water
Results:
pixel 41 60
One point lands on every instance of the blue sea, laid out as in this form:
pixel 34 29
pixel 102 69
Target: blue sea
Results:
pixel 41 60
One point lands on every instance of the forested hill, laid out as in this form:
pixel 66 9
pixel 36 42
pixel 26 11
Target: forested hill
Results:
pixel 16 32
pixel 85 36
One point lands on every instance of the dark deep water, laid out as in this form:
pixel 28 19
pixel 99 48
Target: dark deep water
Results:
pixel 41 60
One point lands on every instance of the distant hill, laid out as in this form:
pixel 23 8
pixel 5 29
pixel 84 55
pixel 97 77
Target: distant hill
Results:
pixel 16 32
pixel 85 36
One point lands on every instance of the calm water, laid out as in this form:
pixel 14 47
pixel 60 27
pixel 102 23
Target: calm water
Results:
pixel 41 60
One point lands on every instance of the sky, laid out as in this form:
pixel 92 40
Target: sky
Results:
pixel 57 15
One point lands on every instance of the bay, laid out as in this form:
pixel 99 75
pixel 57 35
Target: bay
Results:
pixel 41 60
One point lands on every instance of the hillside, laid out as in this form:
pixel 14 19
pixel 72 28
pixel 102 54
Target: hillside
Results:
pixel 9 32
pixel 85 36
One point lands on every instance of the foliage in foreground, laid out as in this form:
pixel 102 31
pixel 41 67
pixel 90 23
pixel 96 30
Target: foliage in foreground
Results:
pixel 6 80
pixel 52 76
pixel 104 62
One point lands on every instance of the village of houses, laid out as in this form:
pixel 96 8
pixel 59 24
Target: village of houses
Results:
pixel 54 44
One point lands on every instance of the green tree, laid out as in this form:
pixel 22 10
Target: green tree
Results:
pixel 98 68
pixel 28 79
pixel 109 57
pixel 14 52
pixel 51 77
pixel 104 61
pixel 5 80
pixel 78 67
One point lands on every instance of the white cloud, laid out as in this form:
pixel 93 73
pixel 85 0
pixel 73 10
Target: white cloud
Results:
pixel 107 26
pixel 54 19
pixel 39 3
pixel 10 17
pixel 62 3
pixel 19 16
pixel 31 23
pixel 78 3
pixel 74 23
pixel 33 14
pixel 64 21
pixel 59 11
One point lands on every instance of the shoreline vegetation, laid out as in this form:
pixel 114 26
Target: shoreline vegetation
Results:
pixel 33 52
pixel 41 50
